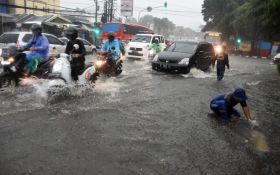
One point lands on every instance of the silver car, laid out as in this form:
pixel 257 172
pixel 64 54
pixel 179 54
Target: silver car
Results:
pixel 90 48
pixel 21 38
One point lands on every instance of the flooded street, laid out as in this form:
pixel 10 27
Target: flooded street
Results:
pixel 143 122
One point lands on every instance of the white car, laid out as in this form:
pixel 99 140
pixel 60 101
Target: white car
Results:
pixel 90 48
pixel 276 58
pixel 139 47
pixel 21 38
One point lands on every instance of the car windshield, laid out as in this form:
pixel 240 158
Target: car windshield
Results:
pixel 184 47
pixel 9 38
pixel 213 39
pixel 142 39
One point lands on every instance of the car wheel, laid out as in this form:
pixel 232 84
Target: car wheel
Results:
pixel 186 70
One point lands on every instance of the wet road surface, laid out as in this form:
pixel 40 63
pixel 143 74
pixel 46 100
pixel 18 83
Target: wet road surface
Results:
pixel 143 122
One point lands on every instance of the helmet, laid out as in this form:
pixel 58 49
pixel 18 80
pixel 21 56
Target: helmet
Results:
pixel 71 33
pixel 156 40
pixel 36 28
pixel 240 94
pixel 111 36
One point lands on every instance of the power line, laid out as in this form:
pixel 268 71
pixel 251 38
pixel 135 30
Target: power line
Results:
pixel 47 10
pixel 177 11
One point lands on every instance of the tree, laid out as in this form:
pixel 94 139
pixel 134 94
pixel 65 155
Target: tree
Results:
pixel 147 20
pixel 161 26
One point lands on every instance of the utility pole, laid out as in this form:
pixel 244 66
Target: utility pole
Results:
pixel 96 10
pixel 25 10
pixel 111 10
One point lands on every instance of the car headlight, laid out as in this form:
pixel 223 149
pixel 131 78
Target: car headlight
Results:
pixel 185 61
pixel 155 58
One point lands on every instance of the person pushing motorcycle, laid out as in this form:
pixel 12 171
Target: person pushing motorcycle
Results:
pixel 78 55
pixel 38 46
pixel 112 48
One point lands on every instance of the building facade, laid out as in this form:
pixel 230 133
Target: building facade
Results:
pixel 37 7
pixel 4 8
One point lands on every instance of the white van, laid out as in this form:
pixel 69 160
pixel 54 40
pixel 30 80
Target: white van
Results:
pixel 139 47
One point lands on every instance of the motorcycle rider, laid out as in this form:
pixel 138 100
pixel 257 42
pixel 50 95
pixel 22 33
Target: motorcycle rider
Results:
pixel 156 46
pixel 223 106
pixel 112 47
pixel 222 62
pixel 78 55
pixel 38 46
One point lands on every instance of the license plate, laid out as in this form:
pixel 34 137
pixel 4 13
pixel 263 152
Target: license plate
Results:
pixel 135 52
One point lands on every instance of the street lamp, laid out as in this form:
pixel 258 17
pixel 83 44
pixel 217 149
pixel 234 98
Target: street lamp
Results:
pixel 149 9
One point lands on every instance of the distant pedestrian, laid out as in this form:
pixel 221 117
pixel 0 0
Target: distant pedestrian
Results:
pixel 222 61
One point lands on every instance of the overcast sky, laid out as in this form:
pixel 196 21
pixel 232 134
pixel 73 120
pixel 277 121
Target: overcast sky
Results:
pixel 181 12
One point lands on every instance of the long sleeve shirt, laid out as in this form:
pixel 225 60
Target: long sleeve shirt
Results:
pixel 108 47
pixel 40 44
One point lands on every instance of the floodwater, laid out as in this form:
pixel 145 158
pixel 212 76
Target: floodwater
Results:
pixel 143 122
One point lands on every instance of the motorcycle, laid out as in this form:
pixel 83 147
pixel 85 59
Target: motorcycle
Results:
pixel 106 67
pixel 12 67
pixel 61 72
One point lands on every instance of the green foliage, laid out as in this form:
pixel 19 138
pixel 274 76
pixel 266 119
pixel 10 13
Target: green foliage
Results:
pixel 251 19
pixel 160 25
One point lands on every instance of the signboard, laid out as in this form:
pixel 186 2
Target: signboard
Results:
pixel 127 8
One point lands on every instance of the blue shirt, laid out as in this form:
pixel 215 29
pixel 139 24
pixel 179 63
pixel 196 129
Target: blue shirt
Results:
pixel 107 47
pixel 41 44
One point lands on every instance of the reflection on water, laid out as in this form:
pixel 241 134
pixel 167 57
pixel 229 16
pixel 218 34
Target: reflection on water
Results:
pixel 259 141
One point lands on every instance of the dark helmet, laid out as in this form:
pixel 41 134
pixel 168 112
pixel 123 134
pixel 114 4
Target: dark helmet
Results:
pixel 71 33
pixel 111 36
pixel 240 94
pixel 36 28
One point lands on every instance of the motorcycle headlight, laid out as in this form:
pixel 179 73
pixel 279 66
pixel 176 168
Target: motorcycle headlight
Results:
pixel 155 58
pixel 99 63
pixel 11 60
pixel 151 52
pixel 185 61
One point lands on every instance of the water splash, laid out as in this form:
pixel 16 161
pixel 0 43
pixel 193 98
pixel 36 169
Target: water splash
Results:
pixel 108 87
pixel 196 73
pixel 253 83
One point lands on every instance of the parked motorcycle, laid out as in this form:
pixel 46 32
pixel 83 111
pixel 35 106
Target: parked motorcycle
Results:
pixel 12 67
